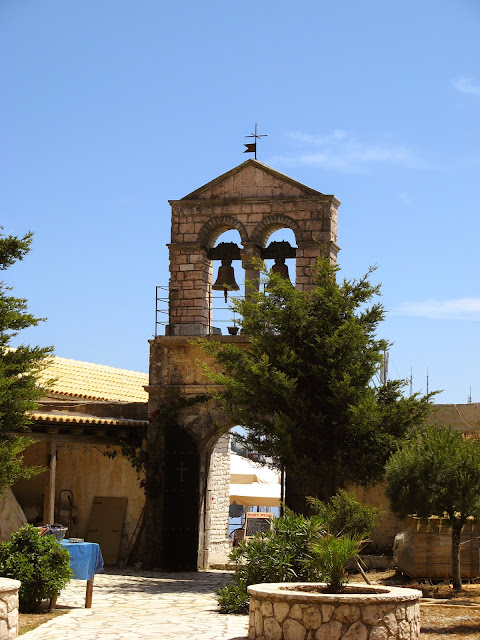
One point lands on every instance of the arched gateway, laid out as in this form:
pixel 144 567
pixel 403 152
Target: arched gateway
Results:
pixel 256 201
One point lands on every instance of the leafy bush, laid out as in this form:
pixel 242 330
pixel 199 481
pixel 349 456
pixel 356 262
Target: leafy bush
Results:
pixel 233 597
pixel 343 515
pixel 300 549
pixel 282 554
pixel 39 562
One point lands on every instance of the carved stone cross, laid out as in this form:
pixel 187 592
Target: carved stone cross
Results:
pixel 181 469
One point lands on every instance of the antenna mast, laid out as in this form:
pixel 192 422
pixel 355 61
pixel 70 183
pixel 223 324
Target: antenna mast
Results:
pixel 384 367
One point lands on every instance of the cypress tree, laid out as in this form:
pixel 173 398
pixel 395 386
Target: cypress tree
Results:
pixel 304 388
pixel 20 367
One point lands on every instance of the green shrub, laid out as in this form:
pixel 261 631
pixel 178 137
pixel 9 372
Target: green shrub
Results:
pixel 233 597
pixel 300 549
pixel 282 554
pixel 39 562
pixel 343 515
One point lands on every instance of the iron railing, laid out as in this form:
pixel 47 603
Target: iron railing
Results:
pixel 221 314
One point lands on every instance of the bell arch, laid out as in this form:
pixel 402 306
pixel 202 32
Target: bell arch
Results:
pixel 213 229
pixel 268 225
pixel 279 251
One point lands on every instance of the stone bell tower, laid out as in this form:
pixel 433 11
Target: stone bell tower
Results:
pixel 255 200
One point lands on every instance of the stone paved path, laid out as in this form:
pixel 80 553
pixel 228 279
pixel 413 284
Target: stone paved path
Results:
pixel 129 604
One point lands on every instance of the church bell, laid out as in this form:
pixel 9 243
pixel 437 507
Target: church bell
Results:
pixel 281 269
pixel 226 278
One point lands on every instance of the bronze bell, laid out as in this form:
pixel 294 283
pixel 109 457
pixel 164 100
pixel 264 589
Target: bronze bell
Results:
pixel 226 278
pixel 281 269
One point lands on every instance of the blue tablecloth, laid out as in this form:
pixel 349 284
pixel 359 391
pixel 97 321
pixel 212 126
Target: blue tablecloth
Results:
pixel 85 559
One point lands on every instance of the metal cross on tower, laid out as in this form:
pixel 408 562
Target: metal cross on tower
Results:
pixel 252 146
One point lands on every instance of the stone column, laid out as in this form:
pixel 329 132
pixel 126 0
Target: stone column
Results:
pixel 217 503
pixel 189 290
pixel 250 255
pixel 308 253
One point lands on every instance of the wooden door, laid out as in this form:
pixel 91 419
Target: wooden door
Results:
pixel 106 524
pixel 181 504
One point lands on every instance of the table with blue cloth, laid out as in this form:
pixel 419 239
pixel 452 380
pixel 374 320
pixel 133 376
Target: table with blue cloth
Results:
pixel 85 561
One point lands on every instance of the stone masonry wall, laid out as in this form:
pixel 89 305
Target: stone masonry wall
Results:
pixel 283 616
pixel 8 608
pixel 218 502
pixel 190 278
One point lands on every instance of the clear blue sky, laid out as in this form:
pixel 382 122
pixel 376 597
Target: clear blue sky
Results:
pixel 111 107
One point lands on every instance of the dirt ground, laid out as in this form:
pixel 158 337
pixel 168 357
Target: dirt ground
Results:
pixel 444 612
pixel 29 621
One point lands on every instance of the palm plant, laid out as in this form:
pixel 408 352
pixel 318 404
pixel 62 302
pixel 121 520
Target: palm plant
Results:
pixel 331 554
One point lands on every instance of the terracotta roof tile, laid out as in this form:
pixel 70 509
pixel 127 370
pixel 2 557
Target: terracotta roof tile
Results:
pixel 95 381
pixel 60 417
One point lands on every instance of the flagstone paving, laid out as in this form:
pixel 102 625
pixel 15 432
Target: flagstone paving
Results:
pixel 130 604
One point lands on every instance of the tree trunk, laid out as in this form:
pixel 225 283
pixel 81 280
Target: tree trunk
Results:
pixel 457 526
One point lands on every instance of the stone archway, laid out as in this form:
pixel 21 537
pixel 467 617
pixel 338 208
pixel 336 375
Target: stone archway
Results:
pixel 214 228
pixel 174 502
pixel 255 200
pixel 269 224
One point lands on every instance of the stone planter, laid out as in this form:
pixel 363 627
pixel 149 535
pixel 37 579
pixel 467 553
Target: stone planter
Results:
pixel 301 611
pixel 9 608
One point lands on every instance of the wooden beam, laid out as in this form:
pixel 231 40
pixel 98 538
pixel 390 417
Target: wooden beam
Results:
pixel 52 471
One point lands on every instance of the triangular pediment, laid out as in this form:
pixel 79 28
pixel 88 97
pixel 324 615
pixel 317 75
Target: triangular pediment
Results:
pixel 252 179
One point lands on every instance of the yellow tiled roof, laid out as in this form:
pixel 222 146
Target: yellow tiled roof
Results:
pixel 95 381
pixel 77 419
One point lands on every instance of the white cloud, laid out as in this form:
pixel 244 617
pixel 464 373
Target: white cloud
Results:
pixel 454 309
pixel 466 84
pixel 337 134
pixel 338 150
